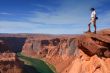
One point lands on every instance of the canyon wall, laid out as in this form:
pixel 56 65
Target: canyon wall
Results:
pixel 85 53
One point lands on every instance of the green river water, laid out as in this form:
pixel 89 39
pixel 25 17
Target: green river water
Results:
pixel 39 65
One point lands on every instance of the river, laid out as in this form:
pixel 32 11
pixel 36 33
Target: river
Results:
pixel 39 66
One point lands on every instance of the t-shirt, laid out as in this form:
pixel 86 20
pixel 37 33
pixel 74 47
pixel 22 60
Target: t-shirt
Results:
pixel 93 14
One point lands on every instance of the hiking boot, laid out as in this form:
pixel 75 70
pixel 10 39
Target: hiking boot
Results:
pixel 94 32
pixel 87 31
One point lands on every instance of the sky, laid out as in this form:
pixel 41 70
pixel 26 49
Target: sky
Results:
pixel 52 16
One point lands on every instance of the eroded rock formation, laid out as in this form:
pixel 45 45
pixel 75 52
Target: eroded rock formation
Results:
pixel 8 60
pixel 86 53
pixel 92 54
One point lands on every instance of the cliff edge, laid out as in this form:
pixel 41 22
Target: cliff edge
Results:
pixel 86 53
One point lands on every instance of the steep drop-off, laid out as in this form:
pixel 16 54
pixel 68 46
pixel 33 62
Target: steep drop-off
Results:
pixel 85 53
pixel 68 53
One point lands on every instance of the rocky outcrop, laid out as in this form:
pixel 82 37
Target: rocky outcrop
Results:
pixel 73 54
pixel 92 55
pixel 8 60
pixel 86 53
pixel 86 64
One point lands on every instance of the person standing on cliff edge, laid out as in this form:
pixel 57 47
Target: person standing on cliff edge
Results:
pixel 93 20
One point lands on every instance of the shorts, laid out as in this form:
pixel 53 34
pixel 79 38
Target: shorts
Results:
pixel 93 20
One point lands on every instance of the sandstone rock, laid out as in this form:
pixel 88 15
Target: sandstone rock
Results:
pixel 86 53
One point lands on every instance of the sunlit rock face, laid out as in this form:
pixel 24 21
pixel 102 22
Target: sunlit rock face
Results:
pixel 85 53
pixel 92 55
pixel 73 54
pixel 9 62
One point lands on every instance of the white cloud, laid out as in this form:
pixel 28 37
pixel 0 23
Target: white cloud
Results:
pixel 5 13
pixel 25 27
pixel 104 18
pixel 42 7
pixel 56 19
pixel 69 12
pixel 16 27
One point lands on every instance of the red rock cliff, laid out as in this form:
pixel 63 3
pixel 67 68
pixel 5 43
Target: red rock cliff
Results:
pixel 86 53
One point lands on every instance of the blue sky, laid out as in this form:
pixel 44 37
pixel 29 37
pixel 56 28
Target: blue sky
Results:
pixel 51 16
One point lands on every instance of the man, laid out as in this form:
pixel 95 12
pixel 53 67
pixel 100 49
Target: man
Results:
pixel 93 20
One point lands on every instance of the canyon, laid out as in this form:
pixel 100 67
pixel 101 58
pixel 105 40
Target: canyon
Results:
pixel 83 53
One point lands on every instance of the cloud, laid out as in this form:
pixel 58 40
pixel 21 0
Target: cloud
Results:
pixel 18 27
pixel 13 25
pixel 105 17
pixel 69 12
pixel 70 17
pixel 46 8
pixel 26 27
pixel 5 13
pixel 59 18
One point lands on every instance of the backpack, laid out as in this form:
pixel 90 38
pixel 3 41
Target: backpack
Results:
pixel 96 18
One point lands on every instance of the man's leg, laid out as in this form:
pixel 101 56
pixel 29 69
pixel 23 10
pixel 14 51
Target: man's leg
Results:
pixel 89 29
pixel 95 27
